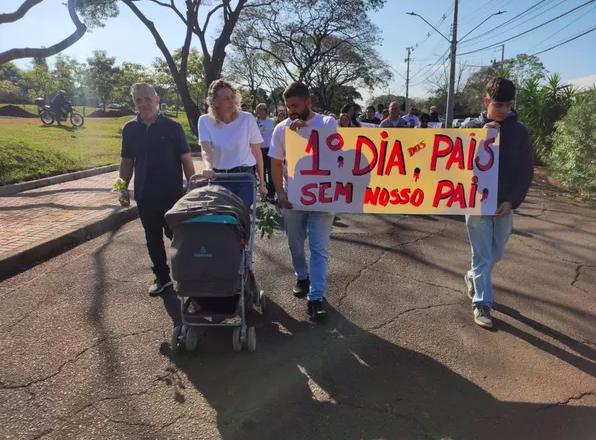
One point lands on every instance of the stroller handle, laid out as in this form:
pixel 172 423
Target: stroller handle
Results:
pixel 225 177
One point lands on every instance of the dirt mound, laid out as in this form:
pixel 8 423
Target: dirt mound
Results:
pixel 15 112
pixel 111 113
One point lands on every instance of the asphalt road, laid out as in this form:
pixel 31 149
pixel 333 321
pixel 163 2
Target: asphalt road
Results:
pixel 85 352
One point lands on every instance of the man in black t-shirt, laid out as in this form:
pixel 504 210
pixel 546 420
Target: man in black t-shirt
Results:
pixel 155 148
pixel 369 116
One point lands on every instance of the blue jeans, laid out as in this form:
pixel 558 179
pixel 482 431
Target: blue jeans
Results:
pixel 317 226
pixel 244 190
pixel 488 237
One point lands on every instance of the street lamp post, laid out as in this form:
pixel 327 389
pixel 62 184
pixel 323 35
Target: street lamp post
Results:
pixel 453 42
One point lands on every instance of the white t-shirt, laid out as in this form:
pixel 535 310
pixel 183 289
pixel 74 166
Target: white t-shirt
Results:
pixel 409 118
pixel 231 142
pixel 266 127
pixel 278 141
pixel 379 115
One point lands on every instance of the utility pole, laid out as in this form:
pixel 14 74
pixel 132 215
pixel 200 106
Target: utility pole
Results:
pixel 451 93
pixel 502 56
pixel 410 50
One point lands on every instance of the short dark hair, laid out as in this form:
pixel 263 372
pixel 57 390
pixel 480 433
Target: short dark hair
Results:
pixel 380 107
pixel 500 89
pixel 425 116
pixel 296 89
pixel 370 107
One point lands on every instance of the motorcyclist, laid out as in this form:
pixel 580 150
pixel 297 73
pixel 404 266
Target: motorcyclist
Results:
pixel 60 106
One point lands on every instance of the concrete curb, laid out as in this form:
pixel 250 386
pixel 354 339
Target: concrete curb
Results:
pixel 47 248
pixel 47 181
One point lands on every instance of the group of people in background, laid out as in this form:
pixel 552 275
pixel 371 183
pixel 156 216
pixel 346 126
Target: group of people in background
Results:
pixel 392 117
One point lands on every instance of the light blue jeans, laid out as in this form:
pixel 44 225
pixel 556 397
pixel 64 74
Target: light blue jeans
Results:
pixel 317 226
pixel 488 237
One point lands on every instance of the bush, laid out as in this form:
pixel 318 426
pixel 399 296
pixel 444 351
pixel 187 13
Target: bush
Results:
pixel 573 158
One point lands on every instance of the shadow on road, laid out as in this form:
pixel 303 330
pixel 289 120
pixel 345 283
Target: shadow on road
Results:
pixel 68 128
pixel 337 381
pixel 586 361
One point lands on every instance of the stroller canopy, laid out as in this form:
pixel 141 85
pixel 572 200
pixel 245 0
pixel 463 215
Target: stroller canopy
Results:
pixel 210 199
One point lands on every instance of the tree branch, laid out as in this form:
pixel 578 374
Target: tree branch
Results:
pixel 19 13
pixel 45 52
pixel 158 40
pixel 211 12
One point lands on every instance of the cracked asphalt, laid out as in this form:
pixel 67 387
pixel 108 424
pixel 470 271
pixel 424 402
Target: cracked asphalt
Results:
pixel 85 354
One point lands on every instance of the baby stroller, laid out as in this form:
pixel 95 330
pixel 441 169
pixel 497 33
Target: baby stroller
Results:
pixel 212 261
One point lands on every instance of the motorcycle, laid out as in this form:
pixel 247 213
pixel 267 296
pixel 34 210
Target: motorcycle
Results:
pixel 48 116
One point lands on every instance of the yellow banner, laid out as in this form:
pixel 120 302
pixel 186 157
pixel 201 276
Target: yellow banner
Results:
pixel 393 170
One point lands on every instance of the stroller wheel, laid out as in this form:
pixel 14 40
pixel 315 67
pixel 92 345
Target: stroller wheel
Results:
pixel 191 339
pixel 252 339
pixel 174 342
pixel 236 340
pixel 263 302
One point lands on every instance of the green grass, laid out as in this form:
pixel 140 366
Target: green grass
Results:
pixel 20 161
pixel 29 150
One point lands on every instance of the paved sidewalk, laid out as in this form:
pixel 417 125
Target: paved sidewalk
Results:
pixel 30 219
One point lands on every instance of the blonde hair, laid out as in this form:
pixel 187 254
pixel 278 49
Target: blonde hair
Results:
pixel 215 87
pixel 341 115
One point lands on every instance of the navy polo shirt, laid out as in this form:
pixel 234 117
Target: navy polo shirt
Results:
pixel 156 149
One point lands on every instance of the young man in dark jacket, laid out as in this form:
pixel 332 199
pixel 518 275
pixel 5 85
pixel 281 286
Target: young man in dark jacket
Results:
pixel 489 233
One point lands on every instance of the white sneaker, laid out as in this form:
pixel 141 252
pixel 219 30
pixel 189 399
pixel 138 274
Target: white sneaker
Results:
pixel 156 288
pixel 482 317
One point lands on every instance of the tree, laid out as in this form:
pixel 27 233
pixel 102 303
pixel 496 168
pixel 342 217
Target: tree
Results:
pixel 247 68
pixel 10 72
pixel 518 69
pixel 16 53
pixel 540 106
pixel 64 73
pixel 303 34
pixel 195 76
pixel 213 59
pixel 130 73
pixel 343 70
pixel 573 157
pixel 103 76
pixel 9 93
pixel 439 88
pixel 39 80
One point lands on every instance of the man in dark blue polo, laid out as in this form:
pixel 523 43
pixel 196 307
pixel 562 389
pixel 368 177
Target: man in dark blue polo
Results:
pixel 155 148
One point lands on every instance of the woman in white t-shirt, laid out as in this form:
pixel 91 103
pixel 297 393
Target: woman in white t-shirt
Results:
pixel 230 140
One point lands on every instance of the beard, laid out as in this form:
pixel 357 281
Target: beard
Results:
pixel 302 115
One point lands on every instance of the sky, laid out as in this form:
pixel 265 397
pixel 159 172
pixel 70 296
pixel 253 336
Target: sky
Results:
pixel 126 38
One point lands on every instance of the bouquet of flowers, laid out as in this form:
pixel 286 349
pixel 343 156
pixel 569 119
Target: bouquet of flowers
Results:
pixel 121 187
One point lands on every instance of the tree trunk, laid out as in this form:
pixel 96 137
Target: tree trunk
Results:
pixel 190 107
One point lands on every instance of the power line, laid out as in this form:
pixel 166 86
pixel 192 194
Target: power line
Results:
pixel 511 24
pixel 476 11
pixel 438 64
pixel 439 23
pixel 566 41
pixel 530 30
pixel 557 32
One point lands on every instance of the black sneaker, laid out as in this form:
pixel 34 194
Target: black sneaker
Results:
pixel 315 310
pixel 301 288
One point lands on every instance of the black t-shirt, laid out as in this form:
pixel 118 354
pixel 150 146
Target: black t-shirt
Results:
pixel 156 149
pixel 374 120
